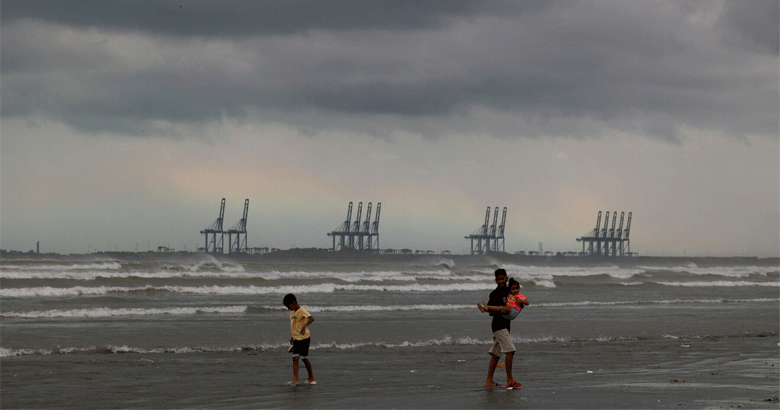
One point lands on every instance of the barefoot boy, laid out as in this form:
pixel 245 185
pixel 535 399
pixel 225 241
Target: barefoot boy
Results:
pixel 300 319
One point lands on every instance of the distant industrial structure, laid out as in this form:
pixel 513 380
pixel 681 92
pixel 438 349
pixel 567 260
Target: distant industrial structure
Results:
pixel 489 238
pixel 214 246
pixel 214 236
pixel 357 235
pixel 239 229
pixel 607 241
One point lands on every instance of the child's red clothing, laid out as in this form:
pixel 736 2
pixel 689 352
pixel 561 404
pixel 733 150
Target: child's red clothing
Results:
pixel 514 302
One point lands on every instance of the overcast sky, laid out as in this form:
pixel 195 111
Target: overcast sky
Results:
pixel 124 123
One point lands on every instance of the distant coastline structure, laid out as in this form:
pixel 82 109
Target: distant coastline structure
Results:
pixel 608 241
pixel 357 235
pixel 489 237
pixel 239 230
pixel 214 246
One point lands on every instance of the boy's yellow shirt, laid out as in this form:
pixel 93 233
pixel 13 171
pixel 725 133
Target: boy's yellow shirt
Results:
pixel 298 318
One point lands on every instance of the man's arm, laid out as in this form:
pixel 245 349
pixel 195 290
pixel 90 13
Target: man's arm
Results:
pixel 497 309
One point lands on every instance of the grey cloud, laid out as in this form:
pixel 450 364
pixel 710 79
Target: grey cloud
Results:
pixel 756 24
pixel 631 66
pixel 246 18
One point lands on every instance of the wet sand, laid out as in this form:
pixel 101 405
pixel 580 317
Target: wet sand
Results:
pixel 726 372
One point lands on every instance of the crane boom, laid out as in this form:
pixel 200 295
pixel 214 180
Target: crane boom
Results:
pixel 598 224
pixel 375 225
pixel 612 229
pixel 628 226
pixel 503 224
pixel 366 224
pixel 356 224
pixel 495 224
pixel 349 218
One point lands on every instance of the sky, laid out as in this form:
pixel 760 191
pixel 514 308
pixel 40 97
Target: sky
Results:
pixel 124 123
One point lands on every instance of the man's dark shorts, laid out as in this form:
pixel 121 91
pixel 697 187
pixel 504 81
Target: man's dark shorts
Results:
pixel 301 348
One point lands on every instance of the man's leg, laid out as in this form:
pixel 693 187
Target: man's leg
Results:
pixel 491 370
pixel 509 359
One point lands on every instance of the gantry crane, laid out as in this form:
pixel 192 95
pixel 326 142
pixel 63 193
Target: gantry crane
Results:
pixel 607 240
pixel 239 229
pixel 357 234
pixel 498 242
pixel 373 234
pixel 342 231
pixel 215 246
pixel 487 233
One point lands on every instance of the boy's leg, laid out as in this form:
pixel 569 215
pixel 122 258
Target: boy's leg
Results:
pixel 295 370
pixel 308 369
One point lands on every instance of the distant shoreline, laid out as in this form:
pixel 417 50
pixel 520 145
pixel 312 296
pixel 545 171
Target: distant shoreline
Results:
pixel 351 254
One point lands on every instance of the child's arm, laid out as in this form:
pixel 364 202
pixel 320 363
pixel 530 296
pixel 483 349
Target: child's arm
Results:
pixel 522 299
pixel 308 322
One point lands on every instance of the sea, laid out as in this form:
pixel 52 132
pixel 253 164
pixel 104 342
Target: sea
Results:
pixel 208 331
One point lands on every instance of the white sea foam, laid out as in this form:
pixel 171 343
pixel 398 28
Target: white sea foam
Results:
pixel 445 341
pixel 350 277
pixel 102 312
pixel 728 271
pixel 58 267
pixel 719 283
pixel 653 302
pixel 6 352
pixel 99 312
pixel 240 290
pixel 544 276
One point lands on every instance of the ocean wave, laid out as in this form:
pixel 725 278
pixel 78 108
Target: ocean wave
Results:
pixel 446 341
pixel 54 268
pixel 280 347
pixel 532 272
pixel 100 312
pixel 349 277
pixel 720 283
pixel 240 290
pixel 728 271
pixel 103 312
pixel 653 302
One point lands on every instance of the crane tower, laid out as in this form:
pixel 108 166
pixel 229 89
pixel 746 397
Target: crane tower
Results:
pixel 358 235
pixel 239 229
pixel 215 246
pixel 489 237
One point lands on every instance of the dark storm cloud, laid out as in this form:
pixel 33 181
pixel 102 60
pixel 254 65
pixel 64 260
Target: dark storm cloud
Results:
pixel 247 18
pixel 638 67
pixel 756 24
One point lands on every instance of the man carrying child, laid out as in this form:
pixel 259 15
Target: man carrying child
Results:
pixel 502 340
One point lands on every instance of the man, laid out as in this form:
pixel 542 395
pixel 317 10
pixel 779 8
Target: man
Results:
pixel 502 340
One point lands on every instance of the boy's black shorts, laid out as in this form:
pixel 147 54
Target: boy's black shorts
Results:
pixel 301 348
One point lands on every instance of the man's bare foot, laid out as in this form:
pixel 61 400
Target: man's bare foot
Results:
pixel 491 383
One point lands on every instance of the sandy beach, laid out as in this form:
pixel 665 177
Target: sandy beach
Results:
pixel 733 372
